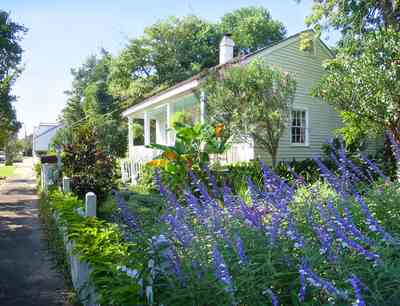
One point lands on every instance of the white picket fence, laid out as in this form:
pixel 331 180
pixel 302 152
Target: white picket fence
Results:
pixel 80 270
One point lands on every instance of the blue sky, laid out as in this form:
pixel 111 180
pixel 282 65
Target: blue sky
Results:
pixel 62 33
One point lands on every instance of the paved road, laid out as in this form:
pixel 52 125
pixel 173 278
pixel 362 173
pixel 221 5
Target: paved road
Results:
pixel 26 274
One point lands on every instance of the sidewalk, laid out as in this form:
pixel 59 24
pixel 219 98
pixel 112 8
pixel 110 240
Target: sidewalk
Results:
pixel 26 274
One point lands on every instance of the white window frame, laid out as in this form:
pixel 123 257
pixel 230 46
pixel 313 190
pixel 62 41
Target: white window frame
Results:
pixel 306 143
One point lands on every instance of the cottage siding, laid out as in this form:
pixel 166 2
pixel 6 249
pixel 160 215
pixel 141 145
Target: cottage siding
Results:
pixel 322 119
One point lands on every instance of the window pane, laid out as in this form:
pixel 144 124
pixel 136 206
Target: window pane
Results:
pixel 298 128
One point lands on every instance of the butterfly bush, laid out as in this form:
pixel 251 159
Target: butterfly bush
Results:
pixel 271 248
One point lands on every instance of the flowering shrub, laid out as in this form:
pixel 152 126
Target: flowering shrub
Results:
pixel 287 245
pixel 332 242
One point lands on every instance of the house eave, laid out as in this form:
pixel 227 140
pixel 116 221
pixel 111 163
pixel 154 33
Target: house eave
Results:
pixel 165 95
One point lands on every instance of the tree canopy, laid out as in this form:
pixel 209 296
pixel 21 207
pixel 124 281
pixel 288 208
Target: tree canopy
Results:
pixel 354 18
pixel 365 85
pixel 362 81
pixel 174 49
pixel 90 105
pixel 251 100
pixel 11 51
pixel 252 28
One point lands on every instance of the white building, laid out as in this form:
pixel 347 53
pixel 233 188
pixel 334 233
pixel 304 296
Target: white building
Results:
pixel 43 135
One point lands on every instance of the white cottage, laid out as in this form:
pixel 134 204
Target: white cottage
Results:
pixel 312 122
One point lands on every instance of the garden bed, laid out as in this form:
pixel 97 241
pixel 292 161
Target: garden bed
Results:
pixel 333 242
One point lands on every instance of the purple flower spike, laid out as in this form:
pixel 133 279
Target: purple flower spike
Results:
pixel 127 216
pixel 195 206
pixel 356 284
pixel 395 146
pixel 180 230
pixel 325 239
pixel 274 228
pixel 331 178
pixel 346 242
pixel 347 225
pixel 373 224
pixel 205 197
pixel 212 181
pixel 319 282
pixel 250 215
pixel 230 201
pixel 274 298
pixel 221 269
pixel 303 285
pixel 254 192
pixel 240 250
pixel 293 234
pixel 373 167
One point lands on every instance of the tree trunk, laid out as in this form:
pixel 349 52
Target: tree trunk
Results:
pixel 273 159
pixel 9 154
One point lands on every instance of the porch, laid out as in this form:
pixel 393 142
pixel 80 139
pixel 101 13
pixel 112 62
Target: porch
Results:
pixel 152 124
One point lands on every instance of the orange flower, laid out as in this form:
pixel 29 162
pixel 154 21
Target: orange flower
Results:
pixel 171 155
pixel 157 163
pixel 219 128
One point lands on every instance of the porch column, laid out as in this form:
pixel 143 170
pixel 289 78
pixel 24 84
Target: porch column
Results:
pixel 168 124
pixel 146 129
pixel 202 107
pixel 130 137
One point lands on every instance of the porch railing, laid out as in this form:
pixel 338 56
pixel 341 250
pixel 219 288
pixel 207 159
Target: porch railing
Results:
pixel 131 168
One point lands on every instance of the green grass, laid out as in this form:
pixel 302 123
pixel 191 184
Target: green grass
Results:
pixel 7 171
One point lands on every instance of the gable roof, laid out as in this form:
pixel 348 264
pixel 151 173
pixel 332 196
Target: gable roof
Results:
pixel 194 81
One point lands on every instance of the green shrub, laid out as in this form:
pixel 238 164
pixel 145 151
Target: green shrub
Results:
pixel 89 168
pixel 101 244
pixel 55 243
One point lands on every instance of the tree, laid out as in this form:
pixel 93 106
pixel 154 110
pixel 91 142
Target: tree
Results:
pixel 170 51
pixel 175 49
pixel 354 18
pixel 362 83
pixel 10 48
pixel 365 26
pixel 252 28
pixel 251 100
pixel 365 86
pixel 89 102
pixel 8 120
pixel 10 58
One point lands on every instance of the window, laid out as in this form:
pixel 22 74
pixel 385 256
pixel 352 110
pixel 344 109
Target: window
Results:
pixel 299 127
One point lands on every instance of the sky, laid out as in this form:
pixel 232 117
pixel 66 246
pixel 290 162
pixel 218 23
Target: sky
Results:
pixel 63 33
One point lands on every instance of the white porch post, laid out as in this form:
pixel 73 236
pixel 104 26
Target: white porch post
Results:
pixel 130 137
pixel 202 107
pixel 168 124
pixel 146 128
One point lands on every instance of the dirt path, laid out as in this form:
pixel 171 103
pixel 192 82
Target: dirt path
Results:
pixel 26 274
